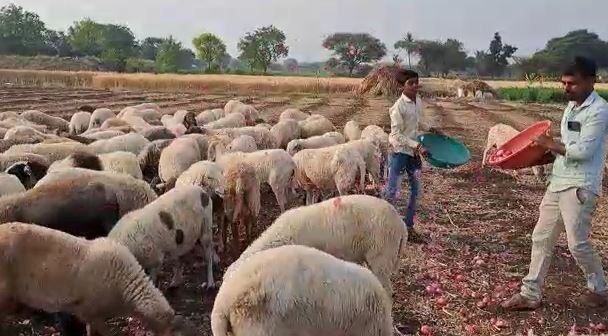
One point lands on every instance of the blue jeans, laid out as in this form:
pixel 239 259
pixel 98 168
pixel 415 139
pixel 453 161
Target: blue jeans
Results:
pixel 402 163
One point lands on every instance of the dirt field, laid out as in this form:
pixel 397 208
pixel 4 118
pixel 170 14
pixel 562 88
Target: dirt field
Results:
pixel 470 215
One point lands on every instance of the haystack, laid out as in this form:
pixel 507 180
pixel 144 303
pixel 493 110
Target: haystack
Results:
pixel 382 81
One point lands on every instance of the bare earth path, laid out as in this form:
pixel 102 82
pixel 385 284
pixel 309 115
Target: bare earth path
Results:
pixel 479 221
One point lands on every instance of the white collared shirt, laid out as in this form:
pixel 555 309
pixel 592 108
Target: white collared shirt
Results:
pixel 583 164
pixel 406 120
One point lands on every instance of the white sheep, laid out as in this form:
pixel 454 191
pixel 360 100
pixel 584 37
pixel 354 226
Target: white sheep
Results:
pixel 294 114
pixel 114 123
pixel 377 134
pixel 18 132
pixel 340 139
pixel 131 193
pixel 298 290
pixel 315 125
pixel 285 131
pixel 319 141
pixel 94 280
pixel 99 116
pixel 177 157
pixel 157 133
pixel 273 166
pixel 208 116
pixel 11 122
pixel 243 143
pixel 168 228
pixel 118 162
pixel 79 122
pixel 136 123
pixel 264 125
pixel 263 137
pixel 352 130
pixel 148 114
pixel 51 151
pixel 498 135
pixel 229 121
pixel 149 158
pixel 10 184
pixel 132 142
pixel 103 135
pixel 51 122
pixel 355 228
pixel 241 201
pixel 205 174
pixel 326 170
pixel 248 111
pixel 371 154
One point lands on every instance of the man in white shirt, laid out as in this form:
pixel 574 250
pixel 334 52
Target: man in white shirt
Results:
pixel 406 120
pixel 572 195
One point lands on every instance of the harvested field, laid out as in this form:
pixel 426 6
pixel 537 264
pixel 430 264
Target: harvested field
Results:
pixel 470 215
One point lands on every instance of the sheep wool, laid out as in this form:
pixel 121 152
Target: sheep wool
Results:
pixel 99 116
pixel 132 142
pixel 352 131
pixel 51 122
pixel 298 290
pixel 285 131
pixel 273 166
pixel 51 151
pixel 294 114
pixel 318 141
pixel 205 174
pixel 177 158
pixel 94 280
pixel 243 143
pixel 230 120
pixel 325 170
pixel 208 116
pixel 355 228
pixel 10 184
pixel 131 193
pixel 316 125
pixel 168 228
pixel 79 122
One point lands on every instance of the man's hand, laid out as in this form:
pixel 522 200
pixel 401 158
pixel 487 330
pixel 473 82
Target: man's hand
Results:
pixel 549 143
pixel 421 150
pixel 434 130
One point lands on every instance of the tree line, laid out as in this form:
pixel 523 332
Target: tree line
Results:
pixel 23 33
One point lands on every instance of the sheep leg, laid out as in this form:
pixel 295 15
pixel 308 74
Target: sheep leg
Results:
pixel 178 275
pixel 97 327
pixel 153 275
pixel 280 194
pixel 222 228
pixel 309 197
pixel 236 242
pixel 210 281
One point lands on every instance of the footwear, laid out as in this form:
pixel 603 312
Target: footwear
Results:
pixel 519 302
pixel 595 300
pixel 415 238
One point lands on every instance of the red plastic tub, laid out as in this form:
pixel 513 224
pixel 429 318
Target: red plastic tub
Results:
pixel 518 152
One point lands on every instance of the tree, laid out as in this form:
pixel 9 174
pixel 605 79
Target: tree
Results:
pixel 262 47
pixel 209 48
pixel 562 50
pixel 441 57
pixel 354 49
pixel 498 56
pixel 290 65
pixel 409 45
pixel 21 32
pixel 168 56
pixel 85 36
pixel 58 43
pixel 149 47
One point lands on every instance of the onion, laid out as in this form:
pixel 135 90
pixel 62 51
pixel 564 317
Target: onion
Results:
pixel 441 301
pixel 425 330
pixel 471 329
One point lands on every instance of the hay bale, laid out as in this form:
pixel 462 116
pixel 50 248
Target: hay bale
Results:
pixel 382 81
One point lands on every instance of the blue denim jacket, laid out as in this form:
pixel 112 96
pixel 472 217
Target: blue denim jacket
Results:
pixel 583 164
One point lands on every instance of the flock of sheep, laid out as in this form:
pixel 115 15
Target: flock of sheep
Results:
pixel 94 207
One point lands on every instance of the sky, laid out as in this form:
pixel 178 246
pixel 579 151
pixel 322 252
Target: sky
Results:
pixel 527 24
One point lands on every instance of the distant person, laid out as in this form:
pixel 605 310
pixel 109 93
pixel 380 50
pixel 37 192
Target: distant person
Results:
pixel 406 120
pixel 576 184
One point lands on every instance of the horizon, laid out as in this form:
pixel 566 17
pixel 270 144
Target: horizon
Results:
pixel 230 21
